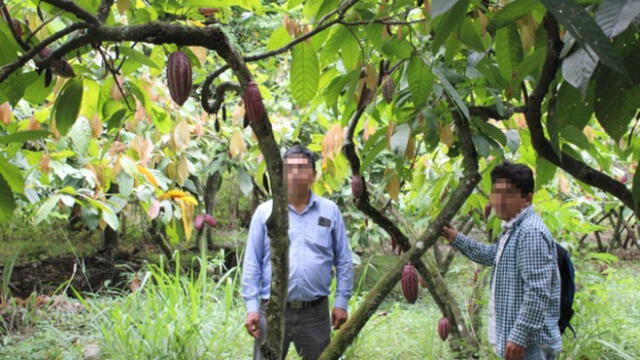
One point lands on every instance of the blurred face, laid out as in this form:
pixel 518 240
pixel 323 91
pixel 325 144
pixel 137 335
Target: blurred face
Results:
pixel 299 174
pixel 507 199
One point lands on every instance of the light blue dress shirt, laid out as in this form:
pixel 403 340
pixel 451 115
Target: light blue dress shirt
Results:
pixel 317 242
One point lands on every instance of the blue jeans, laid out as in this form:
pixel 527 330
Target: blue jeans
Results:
pixel 539 352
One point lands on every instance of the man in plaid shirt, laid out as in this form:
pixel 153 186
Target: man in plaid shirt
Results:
pixel 524 307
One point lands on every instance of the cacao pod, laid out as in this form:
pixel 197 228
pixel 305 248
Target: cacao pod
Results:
pixel 357 186
pixel 487 211
pixel 254 108
pixel 444 326
pixel 410 287
pixel 179 77
pixel 210 220
pixel 59 66
pixel 199 222
pixel 388 88
pixel 624 179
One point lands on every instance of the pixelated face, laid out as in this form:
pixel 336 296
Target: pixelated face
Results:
pixel 507 199
pixel 299 173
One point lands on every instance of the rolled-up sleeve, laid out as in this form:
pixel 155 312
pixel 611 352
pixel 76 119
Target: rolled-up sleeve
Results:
pixel 343 263
pixel 252 265
pixel 484 254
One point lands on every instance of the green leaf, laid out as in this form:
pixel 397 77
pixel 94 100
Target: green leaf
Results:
pixel 576 137
pixel 527 66
pixel 439 7
pixel 12 175
pixel 508 50
pixel 13 88
pixel 7 202
pixel 513 11
pixel 544 172
pixel 491 131
pixel 578 68
pixel 614 16
pixel 80 135
pixel 279 38
pixel 244 180
pixel 469 36
pixel 399 48
pixel 449 22
pixel 351 52
pixel 452 93
pixel 24 136
pixel 115 121
pixel 420 80
pixel 572 109
pixel 35 92
pixel 136 56
pixel 46 208
pixel 615 106
pixel 586 31
pixel 305 73
pixel 67 105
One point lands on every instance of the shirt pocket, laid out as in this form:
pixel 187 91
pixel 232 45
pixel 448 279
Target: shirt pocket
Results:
pixel 321 236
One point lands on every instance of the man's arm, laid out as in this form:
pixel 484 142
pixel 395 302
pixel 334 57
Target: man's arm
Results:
pixel 484 254
pixel 536 265
pixel 343 263
pixel 252 265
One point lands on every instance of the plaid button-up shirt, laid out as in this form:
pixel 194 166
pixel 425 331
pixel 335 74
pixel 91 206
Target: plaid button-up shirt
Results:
pixel 526 283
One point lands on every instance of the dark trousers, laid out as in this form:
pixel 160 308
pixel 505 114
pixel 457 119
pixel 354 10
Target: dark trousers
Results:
pixel 309 330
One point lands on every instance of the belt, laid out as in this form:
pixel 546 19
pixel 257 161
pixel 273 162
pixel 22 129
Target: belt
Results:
pixel 298 305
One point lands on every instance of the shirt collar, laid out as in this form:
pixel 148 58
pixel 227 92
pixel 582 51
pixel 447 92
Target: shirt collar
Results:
pixel 313 199
pixel 509 224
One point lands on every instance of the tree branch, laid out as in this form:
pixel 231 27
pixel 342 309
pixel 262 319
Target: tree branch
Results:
pixel 10 24
pixel 205 93
pixel 541 144
pixel 382 288
pixel 8 69
pixel 218 97
pixel 104 10
pixel 73 8
pixel 341 12
pixel 386 21
pixel 491 112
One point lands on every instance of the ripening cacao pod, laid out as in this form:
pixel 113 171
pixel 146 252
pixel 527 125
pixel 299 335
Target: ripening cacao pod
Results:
pixel 210 220
pixel 253 105
pixel 388 88
pixel 59 66
pixel 444 326
pixel 410 287
pixel 199 222
pixel 357 186
pixel 179 77
pixel 624 179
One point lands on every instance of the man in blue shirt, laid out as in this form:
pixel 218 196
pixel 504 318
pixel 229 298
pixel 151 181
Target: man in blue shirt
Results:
pixel 317 242
pixel 524 305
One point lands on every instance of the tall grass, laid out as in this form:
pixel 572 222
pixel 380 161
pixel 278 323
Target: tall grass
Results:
pixel 175 316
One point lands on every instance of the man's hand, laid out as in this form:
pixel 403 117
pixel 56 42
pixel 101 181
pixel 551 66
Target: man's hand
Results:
pixel 513 351
pixel 253 324
pixel 338 317
pixel 449 233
